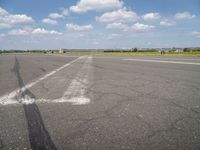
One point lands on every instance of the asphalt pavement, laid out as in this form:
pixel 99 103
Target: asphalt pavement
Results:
pixel 99 102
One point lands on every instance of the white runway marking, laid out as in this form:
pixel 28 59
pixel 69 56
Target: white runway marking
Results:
pixel 164 61
pixel 77 89
pixel 8 98
pixel 164 58
pixel 62 55
pixel 75 94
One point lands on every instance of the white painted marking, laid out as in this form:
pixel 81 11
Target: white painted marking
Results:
pixel 61 55
pixel 74 100
pixel 163 61
pixel 164 58
pixel 75 94
pixel 77 90
pixel 7 99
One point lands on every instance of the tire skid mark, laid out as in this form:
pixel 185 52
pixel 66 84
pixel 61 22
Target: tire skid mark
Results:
pixel 38 135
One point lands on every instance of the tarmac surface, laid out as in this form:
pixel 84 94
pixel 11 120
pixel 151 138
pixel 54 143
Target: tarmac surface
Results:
pixel 99 102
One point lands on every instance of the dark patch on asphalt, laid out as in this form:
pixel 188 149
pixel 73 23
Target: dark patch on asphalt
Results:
pixel 1 143
pixel 55 65
pixel 38 135
pixel 44 70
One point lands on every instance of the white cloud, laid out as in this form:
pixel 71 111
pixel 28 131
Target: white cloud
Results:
pixel 2 35
pixel 3 12
pixel 29 31
pixel 197 34
pixel 17 19
pixel 18 32
pixel 4 25
pixel 151 16
pixel 119 25
pixel 87 5
pixel 49 21
pixel 142 27
pixel 184 15
pixel 78 27
pixel 135 27
pixel 56 16
pixel 61 15
pixel 167 22
pixel 44 31
pixel 8 20
pixel 118 15
pixel 65 12
pixel 112 36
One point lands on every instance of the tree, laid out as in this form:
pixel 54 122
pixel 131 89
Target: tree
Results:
pixel 186 50
pixel 135 49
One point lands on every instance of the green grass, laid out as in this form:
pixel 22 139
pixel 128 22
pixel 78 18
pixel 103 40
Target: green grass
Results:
pixel 185 54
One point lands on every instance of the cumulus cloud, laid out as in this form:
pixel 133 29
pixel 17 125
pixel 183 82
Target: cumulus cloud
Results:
pixel 8 20
pixel 117 25
pixel 44 31
pixel 60 15
pixel 167 22
pixel 18 32
pixel 196 34
pixel 3 12
pixel 118 15
pixel 139 27
pixel 142 27
pixel 79 27
pixel 151 16
pixel 2 35
pixel 49 21
pixel 88 5
pixel 65 12
pixel 4 25
pixel 56 16
pixel 29 31
pixel 184 15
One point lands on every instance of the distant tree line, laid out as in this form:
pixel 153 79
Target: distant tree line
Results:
pixel 109 50
pixel 191 50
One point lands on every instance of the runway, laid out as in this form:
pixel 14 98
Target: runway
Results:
pixel 99 102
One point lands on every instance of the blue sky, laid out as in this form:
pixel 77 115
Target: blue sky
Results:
pixel 54 24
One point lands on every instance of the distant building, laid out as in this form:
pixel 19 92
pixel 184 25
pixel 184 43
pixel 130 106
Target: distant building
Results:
pixel 178 50
pixel 61 51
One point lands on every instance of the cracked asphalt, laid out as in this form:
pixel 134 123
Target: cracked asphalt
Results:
pixel 133 104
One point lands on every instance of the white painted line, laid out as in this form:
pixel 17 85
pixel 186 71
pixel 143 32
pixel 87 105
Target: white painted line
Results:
pixel 75 94
pixel 60 55
pixel 164 58
pixel 163 61
pixel 7 99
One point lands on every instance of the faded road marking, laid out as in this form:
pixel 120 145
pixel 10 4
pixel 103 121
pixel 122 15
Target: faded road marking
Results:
pixel 8 98
pixel 164 61
pixel 75 94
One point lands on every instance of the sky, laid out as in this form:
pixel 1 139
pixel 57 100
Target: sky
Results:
pixel 99 24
